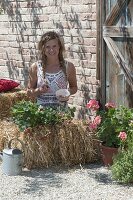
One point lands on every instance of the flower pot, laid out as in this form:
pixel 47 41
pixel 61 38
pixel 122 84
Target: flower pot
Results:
pixel 107 154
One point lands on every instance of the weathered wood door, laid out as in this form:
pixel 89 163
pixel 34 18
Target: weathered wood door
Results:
pixel 115 56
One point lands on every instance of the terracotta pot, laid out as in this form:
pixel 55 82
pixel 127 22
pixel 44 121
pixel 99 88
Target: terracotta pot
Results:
pixel 107 154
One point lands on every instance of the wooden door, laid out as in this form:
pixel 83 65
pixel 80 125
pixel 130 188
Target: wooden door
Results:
pixel 115 56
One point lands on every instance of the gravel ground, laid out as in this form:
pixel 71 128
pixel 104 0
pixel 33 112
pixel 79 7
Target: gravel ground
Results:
pixel 87 182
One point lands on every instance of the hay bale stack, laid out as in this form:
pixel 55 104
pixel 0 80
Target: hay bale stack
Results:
pixel 8 99
pixel 66 144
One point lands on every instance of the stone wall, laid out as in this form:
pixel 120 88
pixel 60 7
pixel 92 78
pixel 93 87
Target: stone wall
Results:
pixel 22 23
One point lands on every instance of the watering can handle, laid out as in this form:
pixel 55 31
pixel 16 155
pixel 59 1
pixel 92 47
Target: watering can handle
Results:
pixel 9 143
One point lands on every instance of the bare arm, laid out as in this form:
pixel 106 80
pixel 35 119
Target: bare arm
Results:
pixel 32 90
pixel 71 75
pixel 32 82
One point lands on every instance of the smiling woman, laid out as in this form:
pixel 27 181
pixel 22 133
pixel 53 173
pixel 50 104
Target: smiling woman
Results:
pixel 51 73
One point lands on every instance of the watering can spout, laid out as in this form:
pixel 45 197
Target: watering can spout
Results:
pixel 1 156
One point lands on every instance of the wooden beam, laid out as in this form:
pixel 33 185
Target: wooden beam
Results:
pixel 99 38
pixel 115 31
pixel 100 72
pixel 116 11
pixel 120 60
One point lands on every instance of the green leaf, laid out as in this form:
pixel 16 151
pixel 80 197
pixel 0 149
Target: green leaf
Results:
pixel 27 114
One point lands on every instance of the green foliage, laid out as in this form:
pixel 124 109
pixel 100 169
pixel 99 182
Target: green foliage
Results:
pixel 122 168
pixel 114 121
pixel 28 114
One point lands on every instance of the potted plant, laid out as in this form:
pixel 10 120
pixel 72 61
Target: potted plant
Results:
pixel 122 168
pixel 111 126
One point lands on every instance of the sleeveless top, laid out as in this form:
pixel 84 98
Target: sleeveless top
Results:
pixel 55 82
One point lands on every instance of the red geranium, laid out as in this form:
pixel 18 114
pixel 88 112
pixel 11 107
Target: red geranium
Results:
pixel 93 104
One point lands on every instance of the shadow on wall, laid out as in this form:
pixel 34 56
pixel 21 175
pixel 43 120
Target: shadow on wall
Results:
pixel 78 47
pixel 20 27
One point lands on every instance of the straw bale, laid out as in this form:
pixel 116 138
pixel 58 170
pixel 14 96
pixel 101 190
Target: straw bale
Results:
pixel 66 144
pixel 8 99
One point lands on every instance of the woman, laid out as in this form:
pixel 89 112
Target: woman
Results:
pixel 51 73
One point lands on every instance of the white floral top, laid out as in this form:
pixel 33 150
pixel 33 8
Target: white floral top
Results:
pixel 55 82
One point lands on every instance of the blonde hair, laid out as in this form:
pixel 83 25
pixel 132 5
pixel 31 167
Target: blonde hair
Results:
pixel 45 38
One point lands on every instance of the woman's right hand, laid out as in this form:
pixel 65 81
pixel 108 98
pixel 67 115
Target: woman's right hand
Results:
pixel 38 91
pixel 43 89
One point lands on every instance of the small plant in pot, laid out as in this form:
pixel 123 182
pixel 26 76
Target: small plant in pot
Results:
pixel 111 126
pixel 122 168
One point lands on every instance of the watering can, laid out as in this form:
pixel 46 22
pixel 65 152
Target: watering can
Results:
pixel 12 159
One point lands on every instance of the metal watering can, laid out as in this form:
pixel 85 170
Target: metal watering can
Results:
pixel 12 159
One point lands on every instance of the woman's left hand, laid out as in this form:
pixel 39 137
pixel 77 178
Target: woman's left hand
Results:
pixel 63 98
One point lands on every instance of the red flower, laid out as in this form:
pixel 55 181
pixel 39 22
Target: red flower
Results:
pixel 93 126
pixel 93 104
pixel 110 105
pixel 122 136
pixel 97 120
